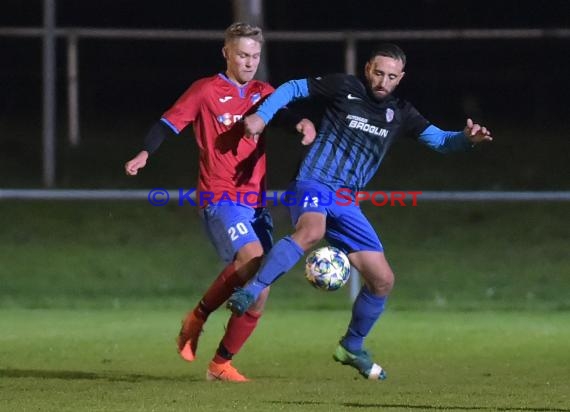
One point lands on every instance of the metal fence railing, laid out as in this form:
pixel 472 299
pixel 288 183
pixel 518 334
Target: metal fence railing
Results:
pixel 424 196
pixel 349 40
pixel 354 284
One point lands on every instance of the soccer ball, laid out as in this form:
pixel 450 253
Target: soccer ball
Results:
pixel 327 268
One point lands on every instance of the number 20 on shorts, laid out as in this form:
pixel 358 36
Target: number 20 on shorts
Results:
pixel 235 231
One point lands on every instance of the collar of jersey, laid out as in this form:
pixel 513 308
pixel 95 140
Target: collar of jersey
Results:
pixel 230 81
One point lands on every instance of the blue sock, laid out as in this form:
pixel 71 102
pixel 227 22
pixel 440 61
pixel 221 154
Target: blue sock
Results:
pixel 366 310
pixel 280 259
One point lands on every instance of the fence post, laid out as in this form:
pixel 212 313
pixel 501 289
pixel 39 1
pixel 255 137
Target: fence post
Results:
pixel 73 89
pixel 350 54
pixel 350 68
pixel 49 94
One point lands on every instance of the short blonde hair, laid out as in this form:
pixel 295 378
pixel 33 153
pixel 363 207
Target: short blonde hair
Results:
pixel 239 29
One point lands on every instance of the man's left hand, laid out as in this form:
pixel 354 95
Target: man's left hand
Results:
pixel 477 133
pixel 307 129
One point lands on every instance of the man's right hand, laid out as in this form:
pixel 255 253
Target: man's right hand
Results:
pixel 253 125
pixel 138 162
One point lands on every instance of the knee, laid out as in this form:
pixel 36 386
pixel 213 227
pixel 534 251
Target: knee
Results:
pixel 381 284
pixel 248 259
pixel 308 237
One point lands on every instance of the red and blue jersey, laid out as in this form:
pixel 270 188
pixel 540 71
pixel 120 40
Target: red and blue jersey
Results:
pixel 230 165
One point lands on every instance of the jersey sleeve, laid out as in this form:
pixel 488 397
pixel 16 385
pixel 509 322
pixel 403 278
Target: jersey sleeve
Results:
pixel 185 109
pixel 420 128
pixel 284 118
pixel 327 86
pixel 445 141
pixel 413 121
pixel 284 94
pixel 157 134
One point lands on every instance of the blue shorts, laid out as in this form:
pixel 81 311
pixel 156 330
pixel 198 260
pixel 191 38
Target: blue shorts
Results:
pixel 232 226
pixel 347 227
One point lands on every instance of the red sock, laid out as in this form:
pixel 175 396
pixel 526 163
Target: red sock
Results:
pixel 219 291
pixel 238 331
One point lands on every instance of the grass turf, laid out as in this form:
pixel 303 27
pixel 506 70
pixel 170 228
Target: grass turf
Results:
pixel 124 360
pixel 92 292
pixel 114 254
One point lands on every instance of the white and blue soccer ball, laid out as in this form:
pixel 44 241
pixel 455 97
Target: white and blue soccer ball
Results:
pixel 327 268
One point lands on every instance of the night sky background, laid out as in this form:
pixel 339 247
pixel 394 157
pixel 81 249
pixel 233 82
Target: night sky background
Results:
pixel 514 85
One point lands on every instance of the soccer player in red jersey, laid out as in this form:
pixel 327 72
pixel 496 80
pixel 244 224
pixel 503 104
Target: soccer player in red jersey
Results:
pixel 230 166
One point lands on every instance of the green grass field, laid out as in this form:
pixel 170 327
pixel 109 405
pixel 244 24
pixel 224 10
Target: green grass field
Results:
pixel 446 256
pixel 91 295
pixel 125 360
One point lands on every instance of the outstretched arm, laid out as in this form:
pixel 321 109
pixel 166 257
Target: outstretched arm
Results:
pixel 154 138
pixel 284 94
pixel 444 141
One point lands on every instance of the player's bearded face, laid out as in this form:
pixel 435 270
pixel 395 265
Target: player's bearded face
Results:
pixel 383 75
pixel 242 57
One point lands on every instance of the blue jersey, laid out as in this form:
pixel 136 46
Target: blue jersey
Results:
pixel 356 130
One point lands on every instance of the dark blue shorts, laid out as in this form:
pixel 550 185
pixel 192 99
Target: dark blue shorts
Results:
pixel 347 227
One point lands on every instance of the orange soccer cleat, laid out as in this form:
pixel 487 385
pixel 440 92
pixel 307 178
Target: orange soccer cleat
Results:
pixel 188 336
pixel 224 372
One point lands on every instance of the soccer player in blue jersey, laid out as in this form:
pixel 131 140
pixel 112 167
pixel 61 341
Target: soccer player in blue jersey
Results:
pixel 360 124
